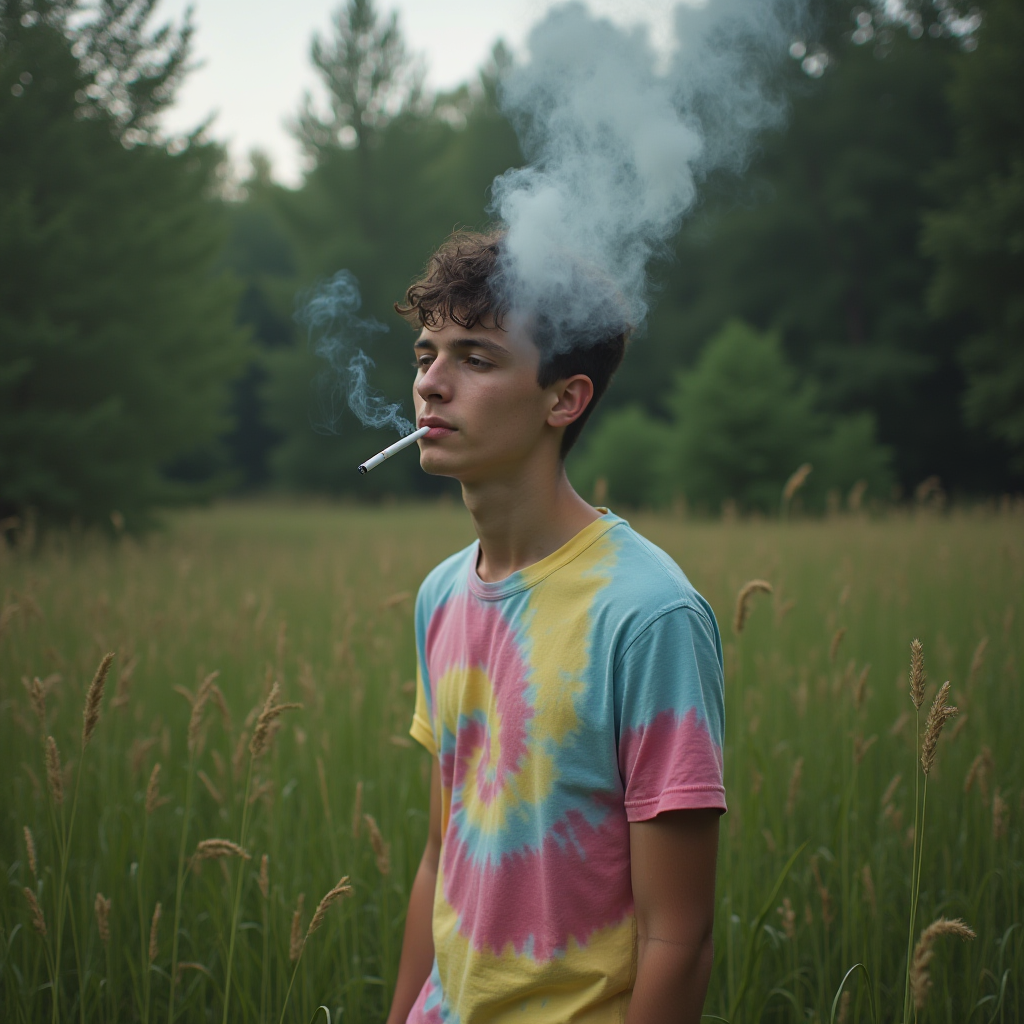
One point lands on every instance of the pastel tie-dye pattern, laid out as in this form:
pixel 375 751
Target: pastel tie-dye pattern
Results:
pixel 564 702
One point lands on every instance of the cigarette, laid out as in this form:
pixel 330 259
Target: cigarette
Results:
pixel 391 449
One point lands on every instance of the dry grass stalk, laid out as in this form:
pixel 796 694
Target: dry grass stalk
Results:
pixel 138 752
pixel 54 778
pixel 743 599
pixel 381 849
pixel 261 736
pixel 900 724
pixel 265 877
pixel 153 798
pixel 924 953
pixel 210 787
pixel 844 1008
pixel 833 647
pixel 190 965
pixel 262 790
pixel 980 772
pixel 977 661
pixel 788 915
pixel 769 840
pixel 30 849
pixel 216 849
pixel 93 699
pixel 868 883
pixel 860 687
pixel 357 810
pixel 1000 816
pixel 861 747
pixel 890 790
pixel 297 940
pixel 195 722
pixel 37 698
pixel 795 482
pixel 122 693
pixel 154 933
pixel 217 695
pixel 937 716
pixel 185 692
pixel 102 908
pixel 827 913
pixel 38 921
pixel 961 724
pixel 795 779
pixel 917 673
pixel 340 890
pixel 396 599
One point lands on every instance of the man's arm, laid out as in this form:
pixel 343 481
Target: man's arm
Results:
pixel 672 859
pixel 418 942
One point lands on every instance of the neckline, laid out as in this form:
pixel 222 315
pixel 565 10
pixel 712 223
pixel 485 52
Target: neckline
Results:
pixel 530 576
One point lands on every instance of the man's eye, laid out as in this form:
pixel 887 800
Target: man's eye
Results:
pixel 476 361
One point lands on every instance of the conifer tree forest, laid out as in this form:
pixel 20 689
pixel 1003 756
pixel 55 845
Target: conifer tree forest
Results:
pixel 853 299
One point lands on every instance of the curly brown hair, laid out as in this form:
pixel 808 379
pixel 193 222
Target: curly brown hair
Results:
pixel 458 286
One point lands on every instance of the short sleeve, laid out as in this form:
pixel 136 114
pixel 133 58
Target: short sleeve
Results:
pixel 421 729
pixel 670 708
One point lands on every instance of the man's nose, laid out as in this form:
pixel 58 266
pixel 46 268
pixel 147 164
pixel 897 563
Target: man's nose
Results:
pixel 435 383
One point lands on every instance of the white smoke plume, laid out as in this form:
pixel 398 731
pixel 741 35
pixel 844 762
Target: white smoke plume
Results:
pixel 616 150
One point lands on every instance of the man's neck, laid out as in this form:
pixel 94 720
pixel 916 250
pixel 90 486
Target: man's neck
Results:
pixel 524 517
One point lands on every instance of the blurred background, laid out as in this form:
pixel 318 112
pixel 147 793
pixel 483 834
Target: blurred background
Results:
pixel 852 301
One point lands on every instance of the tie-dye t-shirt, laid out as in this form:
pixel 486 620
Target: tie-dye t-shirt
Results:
pixel 564 702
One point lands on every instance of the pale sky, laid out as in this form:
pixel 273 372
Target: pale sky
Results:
pixel 255 57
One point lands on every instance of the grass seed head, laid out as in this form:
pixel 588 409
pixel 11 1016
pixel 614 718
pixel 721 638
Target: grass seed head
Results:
pixel 1000 816
pixel 153 798
pixel 195 722
pixel 262 734
pixel 94 698
pixel 30 850
pixel 977 661
pixel 338 892
pixel 917 673
pixel 890 790
pixel 924 953
pixel 937 716
pixel 980 772
pixel 37 698
pixel 860 687
pixel 297 939
pixel 38 921
pixel 210 787
pixel 743 599
pixel 795 482
pixel 794 786
pixel 217 849
pixel 381 849
pixel 217 696
pixel 862 746
pixel 102 908
pixel 265 877
pixel 154 933
pixel 833 647
pixel 788 915
pixel 54 776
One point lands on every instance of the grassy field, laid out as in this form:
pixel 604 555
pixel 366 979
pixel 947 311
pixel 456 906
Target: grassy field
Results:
pixel 821 764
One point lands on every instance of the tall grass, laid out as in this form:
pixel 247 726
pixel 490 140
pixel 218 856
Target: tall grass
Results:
pixel 313 605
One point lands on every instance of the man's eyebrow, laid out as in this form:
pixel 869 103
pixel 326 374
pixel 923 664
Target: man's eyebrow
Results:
pixel 465 343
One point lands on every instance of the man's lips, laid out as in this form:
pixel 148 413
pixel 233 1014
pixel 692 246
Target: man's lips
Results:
pixel 438 427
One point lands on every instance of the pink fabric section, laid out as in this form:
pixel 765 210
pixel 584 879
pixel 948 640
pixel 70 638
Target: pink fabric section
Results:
pixel 473 634
pixel 419 1014
pixel 537 899
pixel 670 764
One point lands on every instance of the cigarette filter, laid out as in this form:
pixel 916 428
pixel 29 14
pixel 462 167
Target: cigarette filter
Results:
pixel 391 449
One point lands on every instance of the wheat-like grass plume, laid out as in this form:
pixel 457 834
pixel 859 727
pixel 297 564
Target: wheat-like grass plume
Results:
pixel 297 939
pixel 937 716
pixel 890 790
pixel 217 849
pixel 38 921
pixel 1000 816
pixel 94 698
pixel 211 788
pixel 202 697
pixel 261 736
pixel 795 482
pixel 980 772
pixel 860 688
pixel 743 599
pixel 381 849
pixel 794 786
pixel 54 776
pixel 217 696
pixel 154 933
pixel 977 661
pixel 338 892
pixel 153 798
pixel 917 673
pixel 833 647
pixel 924 953
pixel 102 908
pixel 37 698
pixel 264 881
pixel 30 850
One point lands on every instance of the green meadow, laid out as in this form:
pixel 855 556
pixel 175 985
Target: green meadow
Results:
pixel 817 862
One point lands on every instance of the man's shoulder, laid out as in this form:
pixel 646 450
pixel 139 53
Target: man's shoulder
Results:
pixel 648 582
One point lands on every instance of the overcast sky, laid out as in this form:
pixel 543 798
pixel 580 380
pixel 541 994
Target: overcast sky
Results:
pixel 255 57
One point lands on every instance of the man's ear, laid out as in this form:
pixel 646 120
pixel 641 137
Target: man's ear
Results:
pixel 572 396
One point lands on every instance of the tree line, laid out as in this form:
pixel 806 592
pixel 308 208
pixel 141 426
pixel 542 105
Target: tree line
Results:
pixel 851 301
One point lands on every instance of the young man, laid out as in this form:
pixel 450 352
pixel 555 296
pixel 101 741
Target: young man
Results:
pixel 569 693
